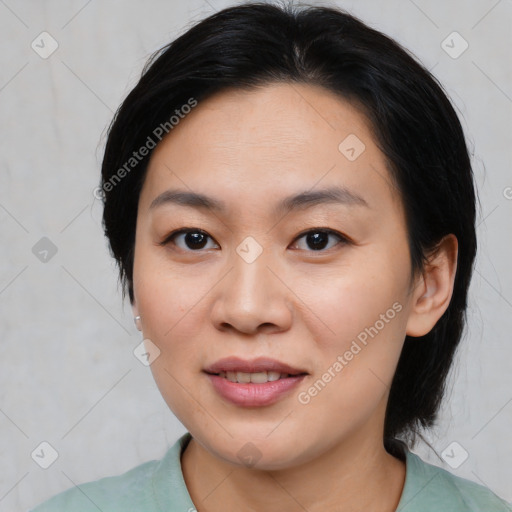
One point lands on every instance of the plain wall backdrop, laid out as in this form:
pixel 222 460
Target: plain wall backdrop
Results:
pixel 68 374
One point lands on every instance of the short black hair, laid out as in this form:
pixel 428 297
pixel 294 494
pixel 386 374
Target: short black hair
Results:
pixel 413 122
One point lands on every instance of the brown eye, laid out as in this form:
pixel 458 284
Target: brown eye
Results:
pixel 192 239
pixel 318 239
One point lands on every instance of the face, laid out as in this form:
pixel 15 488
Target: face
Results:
pixel 320 283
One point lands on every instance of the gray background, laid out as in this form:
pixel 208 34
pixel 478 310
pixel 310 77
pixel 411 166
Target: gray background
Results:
pixel 68 375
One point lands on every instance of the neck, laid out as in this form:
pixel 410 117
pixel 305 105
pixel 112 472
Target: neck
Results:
pixel 356 474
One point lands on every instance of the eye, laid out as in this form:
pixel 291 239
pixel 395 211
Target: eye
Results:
pixel 193 238
pixel 318 238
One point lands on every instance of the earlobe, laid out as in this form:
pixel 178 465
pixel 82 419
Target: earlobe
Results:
pixel 136 316
pixel 434 288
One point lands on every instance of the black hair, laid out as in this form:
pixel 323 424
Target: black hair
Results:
pixel 412 119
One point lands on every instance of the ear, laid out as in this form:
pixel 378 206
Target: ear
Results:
pixel 433 289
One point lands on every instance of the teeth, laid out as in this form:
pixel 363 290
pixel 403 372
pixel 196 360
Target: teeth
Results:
pixel 274 376
pixel 255 378
pixel 243 377
pixel 258 378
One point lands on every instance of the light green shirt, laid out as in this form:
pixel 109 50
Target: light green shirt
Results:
pixel 158 486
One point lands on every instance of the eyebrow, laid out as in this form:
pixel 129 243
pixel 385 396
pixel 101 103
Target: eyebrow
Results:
pixel 300 201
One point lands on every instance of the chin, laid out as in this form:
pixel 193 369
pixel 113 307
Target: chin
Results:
pixel 258 450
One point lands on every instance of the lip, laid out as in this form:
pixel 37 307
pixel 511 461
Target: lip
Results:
pixel 252 394
pixel 260 364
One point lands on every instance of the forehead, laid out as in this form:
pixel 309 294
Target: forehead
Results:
pixel 278 138
pixel 288 119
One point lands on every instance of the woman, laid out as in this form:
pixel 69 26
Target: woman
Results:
pixel 290 200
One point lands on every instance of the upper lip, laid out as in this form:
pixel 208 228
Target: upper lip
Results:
pixel 261 364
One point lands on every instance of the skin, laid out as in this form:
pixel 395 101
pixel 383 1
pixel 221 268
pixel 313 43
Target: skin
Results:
pixel 293 303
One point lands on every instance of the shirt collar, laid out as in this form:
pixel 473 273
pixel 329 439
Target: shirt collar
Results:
pixel 423 483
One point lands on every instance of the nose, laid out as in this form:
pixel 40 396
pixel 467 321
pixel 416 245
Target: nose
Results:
pixel 253 297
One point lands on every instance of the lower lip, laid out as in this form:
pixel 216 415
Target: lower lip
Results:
pixel 254 395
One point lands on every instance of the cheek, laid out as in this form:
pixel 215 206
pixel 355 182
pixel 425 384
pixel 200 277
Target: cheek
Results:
pixel 366 292
pixel 174 320
pixel 355 359
pixel 359 332
pixel 166 293
pixel 170 304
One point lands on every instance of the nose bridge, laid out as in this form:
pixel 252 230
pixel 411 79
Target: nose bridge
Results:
pixel 251 295
pixel 251 275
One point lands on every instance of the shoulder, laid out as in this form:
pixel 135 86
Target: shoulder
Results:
pixel 430 488
pixel 151 487
pixel 128 491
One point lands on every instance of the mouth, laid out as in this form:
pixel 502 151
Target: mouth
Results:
pixel 256 377
pixel 255 383
pixel 256 371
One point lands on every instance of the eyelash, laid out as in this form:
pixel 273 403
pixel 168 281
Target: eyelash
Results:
pixel 342 238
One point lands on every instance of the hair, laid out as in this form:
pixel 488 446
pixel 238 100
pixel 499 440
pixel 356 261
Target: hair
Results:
pixel 413 122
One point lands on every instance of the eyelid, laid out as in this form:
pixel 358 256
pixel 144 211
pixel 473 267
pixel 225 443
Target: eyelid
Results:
pixel 329 231
pixel 180 231
pixel 342 240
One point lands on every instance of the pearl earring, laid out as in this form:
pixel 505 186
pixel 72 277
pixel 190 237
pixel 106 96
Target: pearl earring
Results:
pixel 137 322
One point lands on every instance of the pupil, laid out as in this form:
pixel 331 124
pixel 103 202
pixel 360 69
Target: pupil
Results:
pixel 195 239
pixel 318 240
